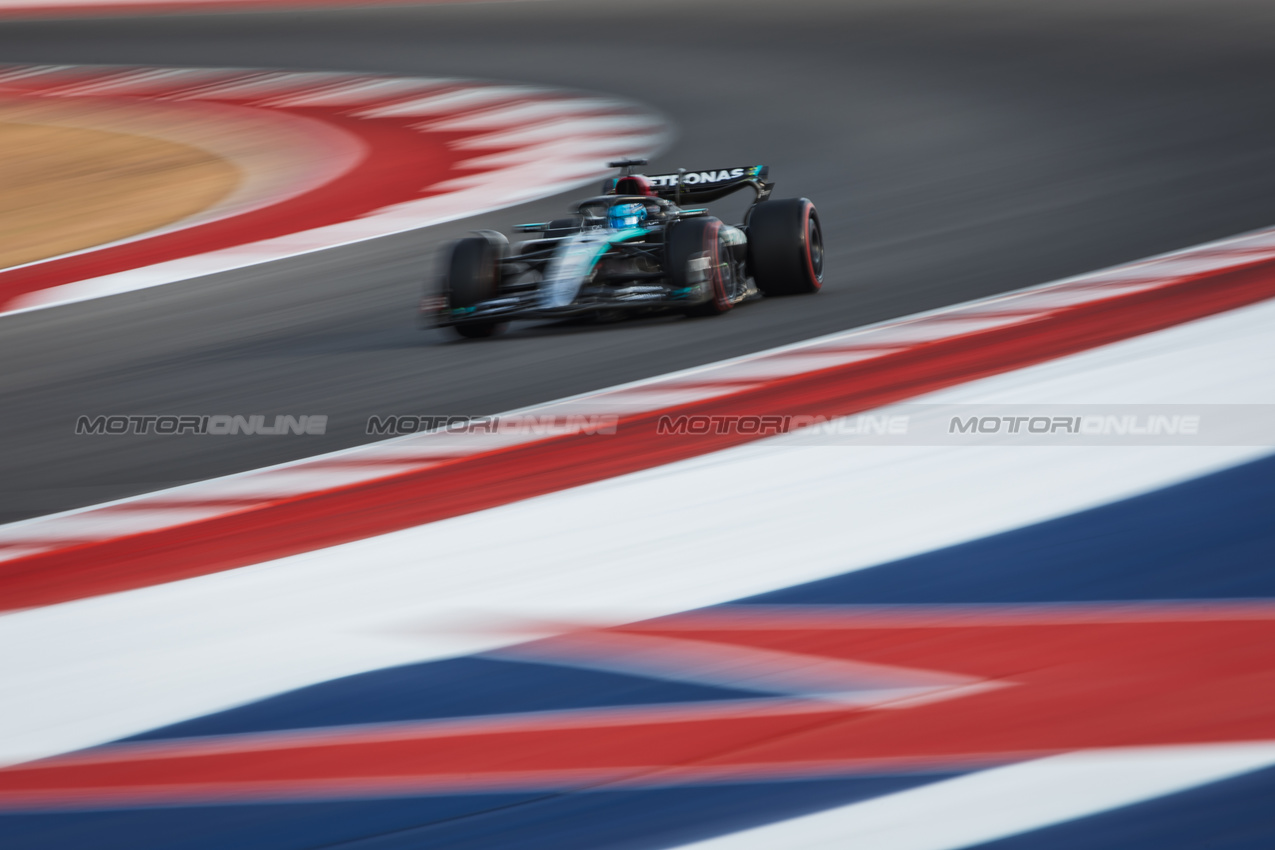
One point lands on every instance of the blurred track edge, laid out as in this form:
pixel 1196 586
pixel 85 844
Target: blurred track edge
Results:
pixel 328 500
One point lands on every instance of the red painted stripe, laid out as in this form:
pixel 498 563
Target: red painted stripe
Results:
pixel 380 787
pixel 1065 687
pixel 318 520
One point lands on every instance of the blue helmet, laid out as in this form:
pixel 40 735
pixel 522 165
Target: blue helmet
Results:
pixel 621 216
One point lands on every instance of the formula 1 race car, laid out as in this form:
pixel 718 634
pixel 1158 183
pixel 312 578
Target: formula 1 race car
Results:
pixel 634 248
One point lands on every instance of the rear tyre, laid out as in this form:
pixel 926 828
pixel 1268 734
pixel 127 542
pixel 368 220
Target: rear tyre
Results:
pixel 696 256
pixel 785 247
pixel 473 276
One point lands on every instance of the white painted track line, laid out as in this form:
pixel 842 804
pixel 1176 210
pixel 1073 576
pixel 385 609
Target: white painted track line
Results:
pixel 997 803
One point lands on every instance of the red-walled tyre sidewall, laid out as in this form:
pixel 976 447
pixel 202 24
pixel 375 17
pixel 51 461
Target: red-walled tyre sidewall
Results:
pixel 699 236
pixel 783 239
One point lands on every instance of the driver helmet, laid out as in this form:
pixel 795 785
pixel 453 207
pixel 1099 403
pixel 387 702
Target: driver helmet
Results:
pixel 621 216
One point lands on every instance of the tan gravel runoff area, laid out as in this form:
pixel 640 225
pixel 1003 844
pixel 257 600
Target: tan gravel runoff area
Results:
pixel 64 189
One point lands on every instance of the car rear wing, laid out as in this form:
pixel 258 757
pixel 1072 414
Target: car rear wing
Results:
pixel 701 187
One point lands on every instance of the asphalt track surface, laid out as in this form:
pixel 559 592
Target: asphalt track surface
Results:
pixel 954 150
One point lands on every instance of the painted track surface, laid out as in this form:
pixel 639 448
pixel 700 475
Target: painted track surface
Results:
pixel 1079 628
pixel 1144 644
pixel 320 502
pixel 952 155
pixel 373 156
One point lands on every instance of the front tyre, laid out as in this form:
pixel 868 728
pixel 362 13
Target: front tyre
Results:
pixel 479 330
pixel 699 260
pixel 473 277
pixel 785 247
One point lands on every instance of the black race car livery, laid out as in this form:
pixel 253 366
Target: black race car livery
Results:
pixel 640 246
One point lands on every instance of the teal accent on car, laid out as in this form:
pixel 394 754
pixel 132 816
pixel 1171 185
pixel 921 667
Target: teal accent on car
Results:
pixel 575 259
